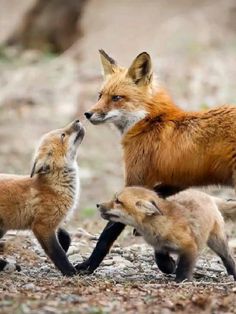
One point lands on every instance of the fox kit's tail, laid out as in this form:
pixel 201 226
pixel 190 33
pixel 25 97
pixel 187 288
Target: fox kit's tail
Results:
pixel 226 207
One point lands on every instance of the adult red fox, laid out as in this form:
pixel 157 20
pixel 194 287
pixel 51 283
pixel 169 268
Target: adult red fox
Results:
pixel 183 224
pixel 40 202
pixel 161 142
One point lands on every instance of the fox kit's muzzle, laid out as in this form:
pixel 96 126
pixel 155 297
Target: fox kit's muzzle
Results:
pixel 106 212
pixel 76 127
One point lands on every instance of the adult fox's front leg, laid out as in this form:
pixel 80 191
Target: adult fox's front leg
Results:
pixel 108 236
pixel 105 241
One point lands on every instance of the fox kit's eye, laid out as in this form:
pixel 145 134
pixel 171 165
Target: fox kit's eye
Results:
pixel 116 98
pixel 117 201
pixel 62 137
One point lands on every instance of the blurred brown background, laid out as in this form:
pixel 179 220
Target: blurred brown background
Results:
pixel 50 71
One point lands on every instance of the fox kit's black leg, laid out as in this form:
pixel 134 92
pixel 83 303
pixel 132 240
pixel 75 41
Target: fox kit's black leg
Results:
pixel 165 262
pixel 64 239
pixel 185 265
pixel 53 249
pixel 219 245
pixel 164 190
pixel 105 241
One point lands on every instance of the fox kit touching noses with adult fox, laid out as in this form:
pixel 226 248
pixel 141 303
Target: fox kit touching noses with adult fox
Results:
pixel 43 200
pixel 183 224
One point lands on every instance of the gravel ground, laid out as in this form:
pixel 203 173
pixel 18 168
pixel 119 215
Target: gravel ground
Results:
pixel 128 281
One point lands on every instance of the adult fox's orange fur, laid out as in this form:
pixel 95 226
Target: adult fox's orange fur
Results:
pixel 161 142
pixel 40 202
pixel 182 224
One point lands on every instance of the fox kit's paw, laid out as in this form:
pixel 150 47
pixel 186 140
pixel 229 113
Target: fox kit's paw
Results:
pixel 8 267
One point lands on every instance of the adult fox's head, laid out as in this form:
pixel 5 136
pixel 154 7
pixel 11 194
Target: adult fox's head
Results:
pixel 125 93
pixel 58 149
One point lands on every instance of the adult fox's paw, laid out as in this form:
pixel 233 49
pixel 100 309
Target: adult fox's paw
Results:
pixel 84 268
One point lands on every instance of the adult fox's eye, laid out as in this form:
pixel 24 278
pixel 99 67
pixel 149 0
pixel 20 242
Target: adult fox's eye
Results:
pixel 116 98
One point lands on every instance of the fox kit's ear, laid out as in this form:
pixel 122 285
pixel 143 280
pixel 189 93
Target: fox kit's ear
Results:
pixel 108 64
pixel 141 69
pixel 148 207
pixel 40 167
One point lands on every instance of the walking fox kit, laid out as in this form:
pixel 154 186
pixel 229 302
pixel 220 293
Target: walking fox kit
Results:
pixel 161 142
pixel 182 224
pixel 42 201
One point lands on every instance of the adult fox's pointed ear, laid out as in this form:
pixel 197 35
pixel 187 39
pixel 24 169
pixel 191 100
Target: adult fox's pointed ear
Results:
pixel 40 167
pixel 108 64
pixel 149 208
pixel 140 70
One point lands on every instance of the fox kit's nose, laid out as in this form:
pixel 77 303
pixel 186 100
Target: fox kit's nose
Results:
pixel 77 125
pixel 88 114
pixel 98 205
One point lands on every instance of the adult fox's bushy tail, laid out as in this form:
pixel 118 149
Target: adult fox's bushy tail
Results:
pixel 226 207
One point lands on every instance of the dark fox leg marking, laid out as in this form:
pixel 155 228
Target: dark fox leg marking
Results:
pixel 220 246
pixel 105 241
pixel 165 262
pixel 4 264
pixel 53 249
pixel 2 232
pixel 64 239
pixel 185 265
pixel 165 190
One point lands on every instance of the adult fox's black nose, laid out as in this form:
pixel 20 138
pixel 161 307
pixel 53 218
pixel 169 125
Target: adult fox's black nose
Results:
pixel 98 205
pixel 88 114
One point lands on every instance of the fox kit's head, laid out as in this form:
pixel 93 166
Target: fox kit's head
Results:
pixel 124 93
pixel 132 206
pixel 57 149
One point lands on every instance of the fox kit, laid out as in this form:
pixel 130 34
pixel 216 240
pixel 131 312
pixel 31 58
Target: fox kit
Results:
pixel 43 200
pixel 161 142
pixel 183 224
